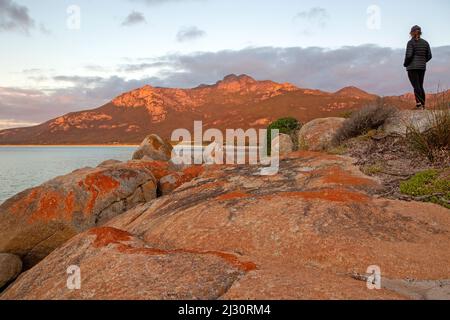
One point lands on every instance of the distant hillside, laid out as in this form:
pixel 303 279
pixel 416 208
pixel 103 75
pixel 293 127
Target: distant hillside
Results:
pixel 234 102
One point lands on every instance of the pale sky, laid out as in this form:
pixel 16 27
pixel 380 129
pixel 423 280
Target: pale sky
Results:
pixel 49 67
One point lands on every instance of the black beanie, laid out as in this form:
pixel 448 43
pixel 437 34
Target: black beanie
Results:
pixel 416 28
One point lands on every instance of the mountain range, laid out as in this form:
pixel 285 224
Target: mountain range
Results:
pixel 234 102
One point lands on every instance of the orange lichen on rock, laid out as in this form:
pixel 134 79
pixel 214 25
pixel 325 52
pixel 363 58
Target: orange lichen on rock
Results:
pixel 48 207
pixel 193 171
pixel 24 203
pixel 98 184
pixel 190 173
pixel 214 170
pixel 107 235
pixel 128 175
pixel 245 266
pixel 232 196
pixel 326 195
pixel 210 185
pixel 337 175
pixel 312 154
pixel 70 202
pixel 176 179
pixel 233 260
pixel 158 168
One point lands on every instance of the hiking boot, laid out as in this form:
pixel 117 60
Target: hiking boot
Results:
pixel 420 106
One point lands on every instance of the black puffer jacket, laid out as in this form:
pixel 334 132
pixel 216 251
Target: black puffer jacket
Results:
pixel 418 53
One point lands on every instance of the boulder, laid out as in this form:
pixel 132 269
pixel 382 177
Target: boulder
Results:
pixel 10 268
pixel 108 163
pixel 420 119
pixel 178 164
pixel 117 265
pixel 159 169
pixel 155 148
pixel 282 144
pixel 172 181
pixel 318 134
pixel 309 232
pixel 36 221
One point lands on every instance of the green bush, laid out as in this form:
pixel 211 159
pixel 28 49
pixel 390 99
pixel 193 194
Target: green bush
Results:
pixel 373 169
pixel 289 126
pixel 429 186
pixel 361 122
pixel 347 114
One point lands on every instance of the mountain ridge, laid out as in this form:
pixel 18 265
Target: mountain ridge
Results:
pixel 236 101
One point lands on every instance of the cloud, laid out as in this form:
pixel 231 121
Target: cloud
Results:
pixel 37 106
pixel 12 123
pixel 317 15
pixel 96 68
pixel 78 80
pixel 43 28
pixel 15 17
pixel 312 19
pixel 142 66
pixel 189 34
pixel 134 18
pixel 369 67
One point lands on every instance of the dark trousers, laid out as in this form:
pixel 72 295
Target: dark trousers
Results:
pixel 417 77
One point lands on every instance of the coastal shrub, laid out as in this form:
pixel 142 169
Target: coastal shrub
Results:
pixel 373 169
pixel 347 114
pixel 289 126
pixel 431 185
pixel 338 150
pixel 435 140
pixel 361 122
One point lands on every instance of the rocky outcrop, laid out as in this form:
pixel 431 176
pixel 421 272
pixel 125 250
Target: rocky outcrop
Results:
pixel 402 120
pixel 306 233
pixel 174 180
pixel 282 144
pixel 318 134
pixel 108 163
pixel 163 274
pixel 10 268
pixel 36 221
pixel 153 148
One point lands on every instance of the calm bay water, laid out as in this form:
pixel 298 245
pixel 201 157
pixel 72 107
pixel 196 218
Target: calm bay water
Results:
pixel 25 167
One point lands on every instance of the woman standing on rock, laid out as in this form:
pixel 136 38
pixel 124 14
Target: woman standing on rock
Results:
pixel 418 53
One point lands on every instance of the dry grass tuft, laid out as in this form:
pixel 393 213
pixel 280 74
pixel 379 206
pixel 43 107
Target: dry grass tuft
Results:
pixel 362 121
